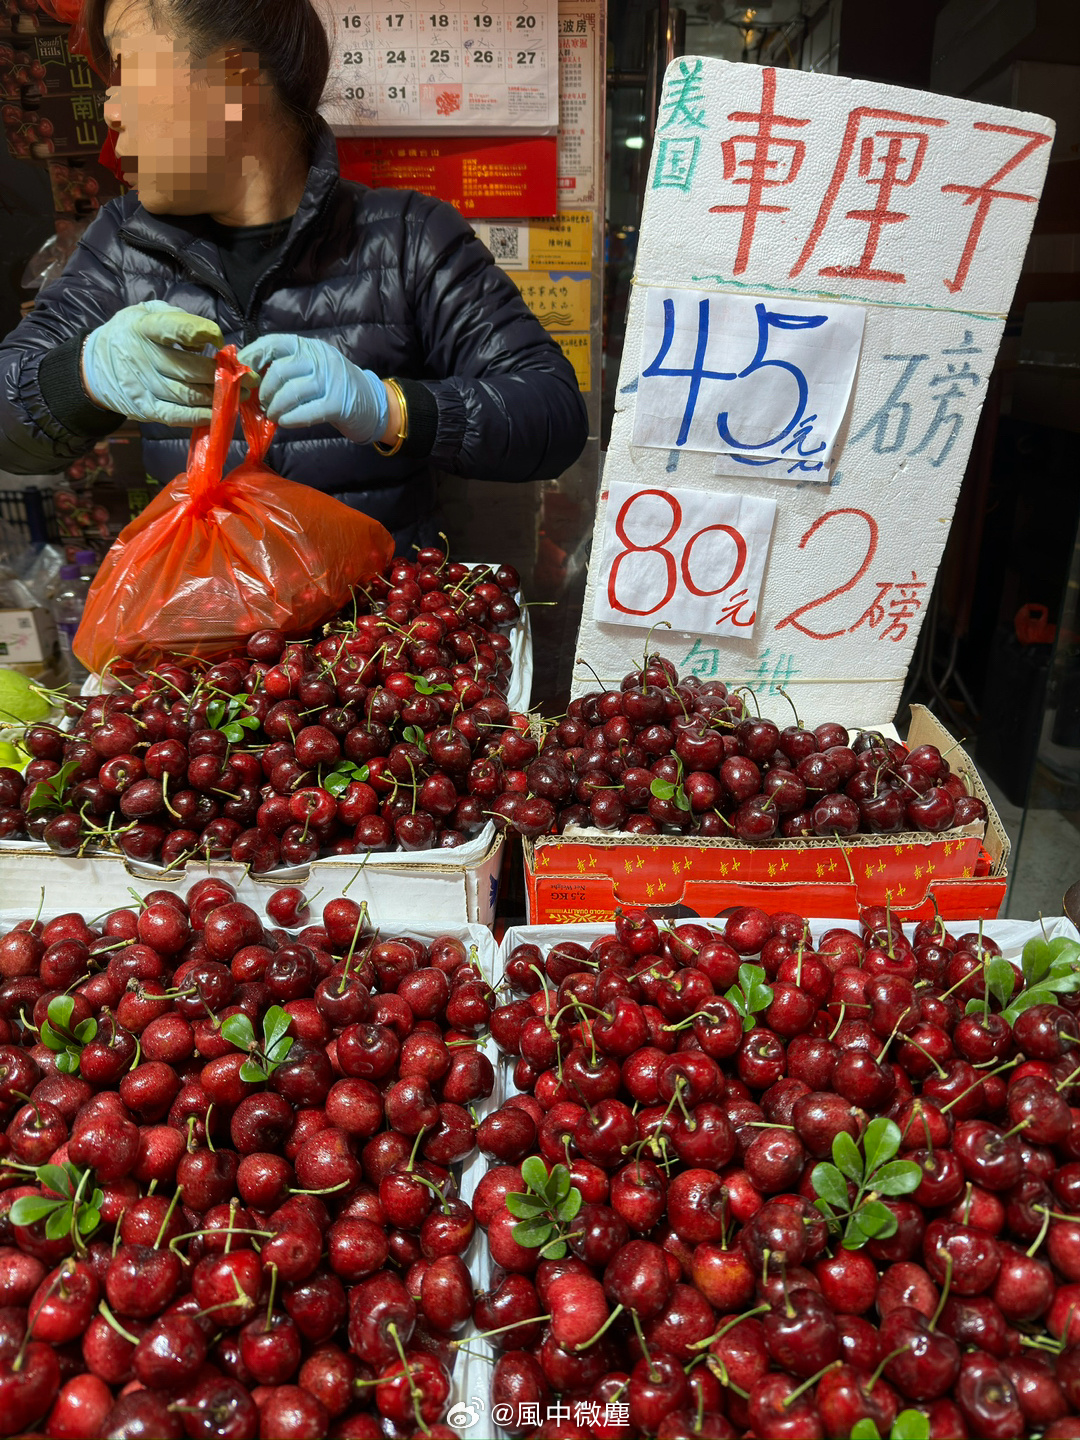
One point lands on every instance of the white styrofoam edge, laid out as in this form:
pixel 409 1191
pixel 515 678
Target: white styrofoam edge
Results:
pixel 521 653
pixel 434 885
pixel 461 857
pixel 470 934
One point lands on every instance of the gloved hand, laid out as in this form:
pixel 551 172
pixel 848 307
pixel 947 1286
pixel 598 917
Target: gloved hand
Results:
pixel 129 365
pixel 310 383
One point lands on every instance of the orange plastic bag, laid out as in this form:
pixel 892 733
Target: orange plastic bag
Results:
pixel 214 558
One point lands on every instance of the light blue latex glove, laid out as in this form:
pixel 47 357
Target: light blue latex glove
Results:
pixel 308 382
pixel 129 365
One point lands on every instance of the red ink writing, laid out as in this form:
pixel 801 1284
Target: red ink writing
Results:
pixel 983 196
pixel 673 570
pixel 795 618
pixel 736 570
pixel 730 612
pixel 889 159
pixel 772 161
pixel 632 549
pixel 902 608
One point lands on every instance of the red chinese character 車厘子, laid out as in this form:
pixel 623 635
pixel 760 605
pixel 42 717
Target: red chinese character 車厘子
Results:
pixel 986 194
pixel 759 163
pixel 888 159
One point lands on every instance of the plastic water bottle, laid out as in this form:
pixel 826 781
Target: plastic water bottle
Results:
pixel 67 607
pixel 87 562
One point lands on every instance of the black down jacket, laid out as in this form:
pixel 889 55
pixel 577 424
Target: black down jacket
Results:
pixel 395 280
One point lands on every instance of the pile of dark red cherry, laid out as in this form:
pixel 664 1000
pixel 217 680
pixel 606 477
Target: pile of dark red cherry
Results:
pixel 227 1197
pixel 665 754
pixel 694 1095
pixel 390 730
pixel 228 1204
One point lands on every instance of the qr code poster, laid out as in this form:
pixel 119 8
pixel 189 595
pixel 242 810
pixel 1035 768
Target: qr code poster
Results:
pixel 509 244
pixel 564 244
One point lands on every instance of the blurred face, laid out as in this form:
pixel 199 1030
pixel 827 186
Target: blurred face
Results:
pixel 184 127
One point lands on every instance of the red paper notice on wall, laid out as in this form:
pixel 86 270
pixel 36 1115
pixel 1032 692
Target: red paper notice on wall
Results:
pixel 484 179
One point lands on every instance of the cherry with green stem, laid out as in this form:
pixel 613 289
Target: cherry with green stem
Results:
pixel 728 1325
pixel 415 1393
pixel 502 1330
pixel 809 1383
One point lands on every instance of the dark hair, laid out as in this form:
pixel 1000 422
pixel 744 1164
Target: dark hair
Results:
pixel 287 35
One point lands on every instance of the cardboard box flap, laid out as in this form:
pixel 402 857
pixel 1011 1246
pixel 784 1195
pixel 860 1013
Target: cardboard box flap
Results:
pixel 927 729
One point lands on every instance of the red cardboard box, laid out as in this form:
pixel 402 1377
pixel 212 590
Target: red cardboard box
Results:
pixel 587 877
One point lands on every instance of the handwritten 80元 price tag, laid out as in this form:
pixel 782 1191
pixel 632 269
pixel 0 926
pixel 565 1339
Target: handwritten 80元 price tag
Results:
pixel 691 557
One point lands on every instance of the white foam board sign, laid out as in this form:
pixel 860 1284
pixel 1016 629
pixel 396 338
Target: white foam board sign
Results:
pixel 823 274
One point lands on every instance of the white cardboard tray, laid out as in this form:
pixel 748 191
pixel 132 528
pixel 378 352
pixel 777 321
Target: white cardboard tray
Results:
pixel 443 886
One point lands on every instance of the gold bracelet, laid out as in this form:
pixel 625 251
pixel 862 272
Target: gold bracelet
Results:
pixel 403 433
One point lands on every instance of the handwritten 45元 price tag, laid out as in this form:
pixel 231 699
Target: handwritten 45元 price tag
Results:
pixel 691 557
pixel 759 381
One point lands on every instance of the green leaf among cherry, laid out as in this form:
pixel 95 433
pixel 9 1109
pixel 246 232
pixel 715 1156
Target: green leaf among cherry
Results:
pixel 1050 968
pixel 544 1210
pixel 276 1042
pixel 72 1208
pixel 874 1173
pixel 231 717
pixel 49 794
pixel 751 995
pixel 672 789
pixel 908 1425
pixel 425 687
pixel 63 1039
pixel 338 780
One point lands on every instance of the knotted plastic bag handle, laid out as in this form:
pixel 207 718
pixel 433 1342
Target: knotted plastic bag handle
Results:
pixel 208 452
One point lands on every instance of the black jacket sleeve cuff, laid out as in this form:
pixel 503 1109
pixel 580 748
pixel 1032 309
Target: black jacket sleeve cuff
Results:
pixel 62 390
pixel 423 412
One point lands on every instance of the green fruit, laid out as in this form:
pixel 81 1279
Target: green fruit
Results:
pixel 21 701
